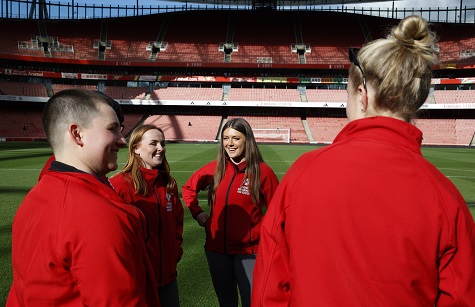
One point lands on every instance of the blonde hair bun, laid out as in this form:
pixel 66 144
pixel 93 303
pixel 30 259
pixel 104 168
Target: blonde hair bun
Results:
pixel 414 32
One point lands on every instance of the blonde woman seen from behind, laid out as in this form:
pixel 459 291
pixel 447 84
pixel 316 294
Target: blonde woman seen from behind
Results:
pixel 368 221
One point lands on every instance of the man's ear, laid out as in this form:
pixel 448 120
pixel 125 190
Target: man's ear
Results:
pixel 75 134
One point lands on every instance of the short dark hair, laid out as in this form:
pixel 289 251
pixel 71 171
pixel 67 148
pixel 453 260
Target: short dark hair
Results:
pixel 72 105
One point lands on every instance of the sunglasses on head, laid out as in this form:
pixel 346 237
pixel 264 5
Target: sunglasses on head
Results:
pixel 354 60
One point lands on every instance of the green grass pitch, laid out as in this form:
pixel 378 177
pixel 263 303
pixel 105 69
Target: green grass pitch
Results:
pixel 20 164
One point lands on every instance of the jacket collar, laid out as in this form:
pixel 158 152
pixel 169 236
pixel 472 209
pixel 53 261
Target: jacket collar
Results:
pixel 66 168
pixel 150 174
pixel 238 167
pixel 385 129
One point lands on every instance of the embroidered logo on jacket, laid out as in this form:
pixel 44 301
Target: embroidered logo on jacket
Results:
pixel 244 188
pixel 169 202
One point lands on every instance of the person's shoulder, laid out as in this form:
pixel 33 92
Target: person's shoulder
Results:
pixel 119 180
pixel 265 167
pixel 210 166
pixel 304 163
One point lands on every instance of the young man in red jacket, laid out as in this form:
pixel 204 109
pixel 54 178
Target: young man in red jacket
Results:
pixel 74 242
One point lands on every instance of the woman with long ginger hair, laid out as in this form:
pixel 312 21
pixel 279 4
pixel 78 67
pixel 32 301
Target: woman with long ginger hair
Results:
pixel 146 183
pixel 239 185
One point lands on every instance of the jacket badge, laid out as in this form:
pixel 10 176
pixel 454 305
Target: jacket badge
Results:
pixel 244 188
pixel 169 202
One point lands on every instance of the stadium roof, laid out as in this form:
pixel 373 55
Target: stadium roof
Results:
pixel 271 3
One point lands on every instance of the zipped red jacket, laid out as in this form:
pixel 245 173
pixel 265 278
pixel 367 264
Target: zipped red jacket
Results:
pixel 234 222
pixel 164 213
pixel 366 221
pixel 76 243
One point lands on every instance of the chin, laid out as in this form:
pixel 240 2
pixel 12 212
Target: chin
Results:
pixel 112 166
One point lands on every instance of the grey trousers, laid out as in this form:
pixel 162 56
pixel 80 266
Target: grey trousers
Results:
pixel 229 272
pixel 168 295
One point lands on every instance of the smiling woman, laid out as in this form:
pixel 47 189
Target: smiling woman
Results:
pixel 146 183
pixel 240 186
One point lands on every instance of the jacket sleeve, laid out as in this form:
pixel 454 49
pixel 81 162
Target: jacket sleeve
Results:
pixel 271 279
pixel 457 264
pixel 179 225
pixel 199 181
pixel 269 184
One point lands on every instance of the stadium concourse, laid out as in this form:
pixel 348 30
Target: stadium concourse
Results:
pixel 188 72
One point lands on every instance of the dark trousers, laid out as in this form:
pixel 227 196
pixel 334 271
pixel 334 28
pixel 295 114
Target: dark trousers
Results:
pixel 229 272
pixel 168 295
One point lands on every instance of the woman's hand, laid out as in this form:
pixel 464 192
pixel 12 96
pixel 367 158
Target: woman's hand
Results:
pixel 202 218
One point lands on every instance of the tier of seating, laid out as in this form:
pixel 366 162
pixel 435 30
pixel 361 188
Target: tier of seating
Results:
pixel 446 131
pixel 325 129
pixel 330 36
pixel 187 93
pixel 201 128
pixel 18 123
pixel 323 95
pixel 195 36
pixel 22 89
pixel 451 96
pixel 60 87
pixel 122 92
pixel 263 94
pixel 217 93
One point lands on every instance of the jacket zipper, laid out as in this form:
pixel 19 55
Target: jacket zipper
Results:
pixel 236 171
pixel 159 236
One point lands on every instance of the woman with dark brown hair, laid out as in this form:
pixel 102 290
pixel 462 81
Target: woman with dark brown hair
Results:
pixel 239 186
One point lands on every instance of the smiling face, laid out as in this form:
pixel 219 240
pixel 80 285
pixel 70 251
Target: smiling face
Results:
pixel 151 149
pixel 102 140
pixel 234 143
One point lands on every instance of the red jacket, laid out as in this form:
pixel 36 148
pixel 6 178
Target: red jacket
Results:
pixel 75 243
pixel 366 221
pixel 235 221
pixel 164 214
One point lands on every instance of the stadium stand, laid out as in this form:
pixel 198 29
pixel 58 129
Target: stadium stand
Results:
pixel 325 129
pixel 122 92
pixel 179 37
pixel 324 95
pixel 70 44
pixel 128 43
pixel 237 55
pixel 22 89
pixel 60 87
pixel 187 93
pixel 329 36
pixel 454 96
pixel 446 131
pixel 253 34
pixel 200 128
pixel 263 94
pixel 193 37
pixel 21 123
